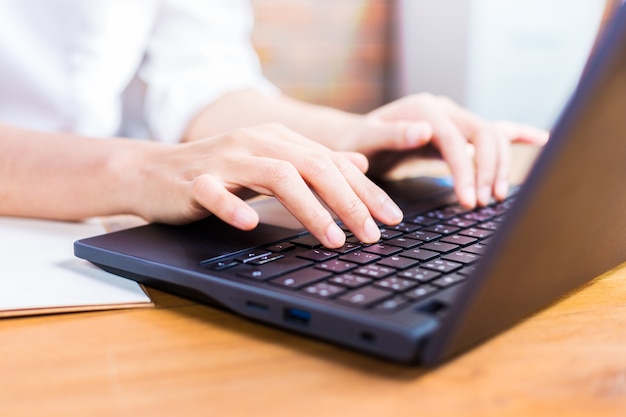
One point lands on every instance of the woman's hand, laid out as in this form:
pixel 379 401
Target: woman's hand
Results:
pixel 185 182
pixel 477 151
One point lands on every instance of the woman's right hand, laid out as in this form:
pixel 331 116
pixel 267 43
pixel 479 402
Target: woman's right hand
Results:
pixel 185 182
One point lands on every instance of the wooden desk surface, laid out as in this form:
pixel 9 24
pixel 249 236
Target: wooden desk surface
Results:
pixel 185 359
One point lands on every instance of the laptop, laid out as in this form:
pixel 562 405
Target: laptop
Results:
pixel 442 281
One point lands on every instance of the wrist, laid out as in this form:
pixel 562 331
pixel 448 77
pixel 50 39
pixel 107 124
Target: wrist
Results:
pixel 130 174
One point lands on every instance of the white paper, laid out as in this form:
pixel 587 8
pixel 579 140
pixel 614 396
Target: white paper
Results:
pixel 38 270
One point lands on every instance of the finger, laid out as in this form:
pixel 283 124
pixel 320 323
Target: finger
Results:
pixel 394 135
pixel 357 159
pixel 487 160
pixel 281 179
pixel 501 186
pixel 211 194
pixel 523 133
pixel 453 147
pixel 451 125
pixel 335 180
pixel 332 176
pixel 356 200
pixel 468 123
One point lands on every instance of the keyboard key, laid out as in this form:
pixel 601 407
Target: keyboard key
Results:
pixel 460 222
pixel 360 257
pixel 419 254
pixel 467 271
pixel 490 225
pixel 350 280
pixel 347 247
pixel 420 292
pixel 266 259
pixel 396 284
pixel 251 256
pixel 443 229
pixel 386 234
pixel 281 247
pixel 318 255
pixel 421 219
pixel 363 297
pixel 461 257
pixel 420 274
pixel 256 274
pixel 398 262
pixel 476 216
pixel 447 212
pixel 324 290
pixel 440 246
pixel 382 249
pixel 221 265
pixel 477 233
pixel 356 241
pixel 448 280
pixel 307 241
pixel 405 227
pixel 337 266
pixel 374 271
pixel 403 242
pixel 271 270
pixel 301 278
pixel 442 265
pixel 487 211
pixel 424 235
pixel 459 240
pixel 391 305
pixel 477 248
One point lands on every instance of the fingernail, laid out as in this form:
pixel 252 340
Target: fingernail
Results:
pixel 245 219
pixel 392 211
pixel 469 196
pixel 416 133
pixel 335 236
pixel 502 188
pixel 484 194
pixel 371 232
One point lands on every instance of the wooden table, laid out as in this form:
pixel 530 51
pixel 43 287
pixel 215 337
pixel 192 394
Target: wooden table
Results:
pixel 181 358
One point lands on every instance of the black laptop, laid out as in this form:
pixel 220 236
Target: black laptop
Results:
pixel 445 278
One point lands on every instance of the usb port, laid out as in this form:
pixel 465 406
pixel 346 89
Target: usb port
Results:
pixel 297 316
pixel 253 305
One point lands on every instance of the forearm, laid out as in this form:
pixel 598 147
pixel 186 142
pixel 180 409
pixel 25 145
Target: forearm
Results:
pixel 62 176
pixel 248 108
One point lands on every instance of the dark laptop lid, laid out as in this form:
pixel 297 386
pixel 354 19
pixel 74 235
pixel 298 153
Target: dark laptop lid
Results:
pixel 569 221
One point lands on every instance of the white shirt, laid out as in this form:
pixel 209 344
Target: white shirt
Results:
pixel 135 68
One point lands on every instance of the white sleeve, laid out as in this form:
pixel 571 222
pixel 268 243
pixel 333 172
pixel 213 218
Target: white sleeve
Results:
pixel 199 50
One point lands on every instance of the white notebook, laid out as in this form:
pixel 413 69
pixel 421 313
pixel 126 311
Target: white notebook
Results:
pixel 39 273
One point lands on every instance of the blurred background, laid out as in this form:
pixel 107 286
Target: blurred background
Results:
pixel 503 59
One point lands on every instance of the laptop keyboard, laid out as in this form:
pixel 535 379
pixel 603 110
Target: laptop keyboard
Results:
pixel 425 253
